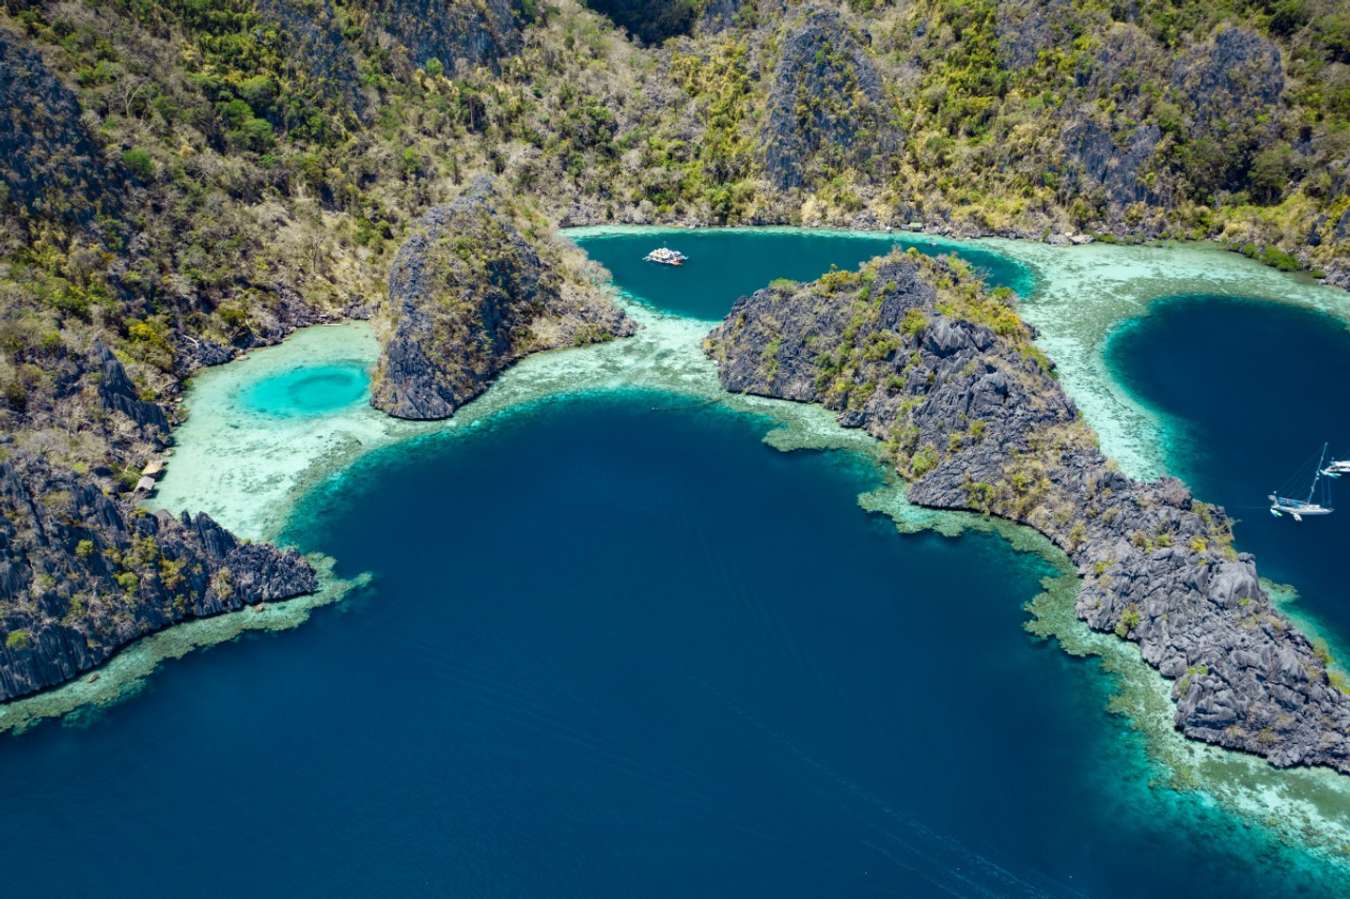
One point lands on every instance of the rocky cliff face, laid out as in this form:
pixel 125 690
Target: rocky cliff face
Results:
pixel 468 296
pixel 315 35
pixel 92 402
pixel 918 354
pixel 651 21
pixel 1108 163
pixel 458 33
pixel 1101 158
pixel 1231 82
pixel 82 575
pixel 82 571
pixel 50 165
pixel 827 110
pixel 1026 27
pixel 118 394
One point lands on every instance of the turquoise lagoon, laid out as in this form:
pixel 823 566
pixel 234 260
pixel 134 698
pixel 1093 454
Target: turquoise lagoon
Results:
pixel 611 640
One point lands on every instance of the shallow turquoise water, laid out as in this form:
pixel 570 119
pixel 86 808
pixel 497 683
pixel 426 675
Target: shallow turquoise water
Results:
pixel 617 646
pixel 1248 391
pixel 727 264
pixel 309 390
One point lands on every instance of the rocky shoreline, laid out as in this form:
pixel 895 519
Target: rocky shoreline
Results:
pixel 916 352
pixel 84 571
pixel 152 221
pixel 1211 713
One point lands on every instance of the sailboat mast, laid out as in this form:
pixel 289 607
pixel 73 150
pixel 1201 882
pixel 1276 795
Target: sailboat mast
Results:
pixel 1321 460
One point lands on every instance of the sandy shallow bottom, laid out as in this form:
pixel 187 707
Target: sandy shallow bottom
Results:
pixel 246 470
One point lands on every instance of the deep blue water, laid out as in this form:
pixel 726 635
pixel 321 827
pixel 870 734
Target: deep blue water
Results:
pixel 1248 392
pixel 726 265
pixel 309 390
pixel 618 647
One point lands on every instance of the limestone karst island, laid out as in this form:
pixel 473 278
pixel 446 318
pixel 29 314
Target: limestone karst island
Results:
pixel 675 448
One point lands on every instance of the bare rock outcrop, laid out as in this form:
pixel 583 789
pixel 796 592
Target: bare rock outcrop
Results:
pixel 469 295
pixel 83 574
pixel 457 33
pixel 827 108
pixel 917 353
pixel 50 163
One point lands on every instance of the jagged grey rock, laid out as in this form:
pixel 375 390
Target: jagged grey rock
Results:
pixel 1230 82
pixel 50 163
pixel 827 108
pixel 458 33
pixel 1026 27
pixel 119 395
pixel 82 575
pixel 468 296
pixel 315 34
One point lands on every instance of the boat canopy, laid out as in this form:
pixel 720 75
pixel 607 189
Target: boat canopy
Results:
pixel 666 256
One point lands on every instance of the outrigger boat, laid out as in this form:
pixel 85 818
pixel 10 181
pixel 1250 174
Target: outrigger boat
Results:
pixel 666 256
pixel 1298 509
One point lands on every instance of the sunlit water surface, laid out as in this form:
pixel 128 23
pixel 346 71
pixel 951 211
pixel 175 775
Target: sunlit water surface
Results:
pixel 309 390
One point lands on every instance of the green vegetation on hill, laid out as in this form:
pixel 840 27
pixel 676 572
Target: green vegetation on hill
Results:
pixel 184 179
pixel 1185 118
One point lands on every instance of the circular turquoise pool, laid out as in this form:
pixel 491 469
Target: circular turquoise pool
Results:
pixel 309 390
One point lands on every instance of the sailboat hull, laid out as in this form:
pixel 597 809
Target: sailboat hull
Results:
pixel 1300 508
pixel 1283 505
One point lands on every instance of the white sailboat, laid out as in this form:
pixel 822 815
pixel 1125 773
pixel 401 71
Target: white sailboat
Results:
pixel 1298 509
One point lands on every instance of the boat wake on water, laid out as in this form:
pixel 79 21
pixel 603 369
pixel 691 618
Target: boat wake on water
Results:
pixel 942 862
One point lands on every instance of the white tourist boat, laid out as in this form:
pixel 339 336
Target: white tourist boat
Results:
pixel 666 256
